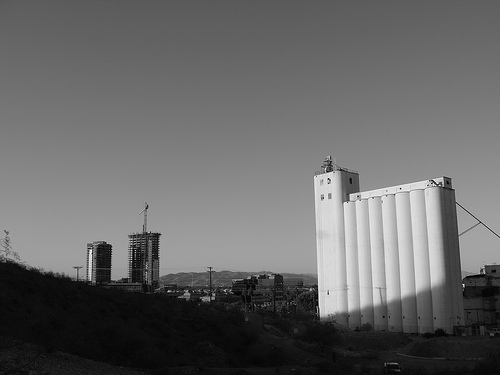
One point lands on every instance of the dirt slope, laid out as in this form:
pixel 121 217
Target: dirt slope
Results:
pixel 454 347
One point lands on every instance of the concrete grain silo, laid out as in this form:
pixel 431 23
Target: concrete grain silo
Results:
pixel 388 258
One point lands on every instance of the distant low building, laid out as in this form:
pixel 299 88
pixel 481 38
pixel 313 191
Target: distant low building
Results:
pixel 190 296
pixel 244 286
pixel 172 295
pixel 481 300
pixel 290 283
pixel 126 287
pixel 269 288
pixel 169 287
pixel 259 288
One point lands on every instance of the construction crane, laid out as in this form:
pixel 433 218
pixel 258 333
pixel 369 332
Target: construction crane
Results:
pixel 146 249
pixel 145 210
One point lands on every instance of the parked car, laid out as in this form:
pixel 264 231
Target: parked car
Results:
pixel 392 368
pixel 495 332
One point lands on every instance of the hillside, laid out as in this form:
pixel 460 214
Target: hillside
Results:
pixel 66 321
pixel 224 278
pixel 126 329
pixel 70 320
pixel 69 325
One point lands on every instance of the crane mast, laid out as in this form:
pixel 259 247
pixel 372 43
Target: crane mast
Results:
pixel 146 249
pixel 145 210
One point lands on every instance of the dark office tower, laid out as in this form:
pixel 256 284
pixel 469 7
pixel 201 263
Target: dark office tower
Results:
pixel 99 262
pixel 144 259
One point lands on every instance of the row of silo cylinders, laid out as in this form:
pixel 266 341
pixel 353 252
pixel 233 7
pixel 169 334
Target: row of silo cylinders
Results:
pixel 402 262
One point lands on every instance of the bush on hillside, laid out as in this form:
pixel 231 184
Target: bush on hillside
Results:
pixel 323 333
pixel 440 332
pixel 366 327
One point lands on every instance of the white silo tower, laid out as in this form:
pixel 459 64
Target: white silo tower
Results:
pixel 387 257
pixel 332 186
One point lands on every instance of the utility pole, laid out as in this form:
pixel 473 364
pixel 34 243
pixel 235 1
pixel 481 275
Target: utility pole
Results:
pixel 314 304
pixel 77 268
pixel 210 277
pixel 274 300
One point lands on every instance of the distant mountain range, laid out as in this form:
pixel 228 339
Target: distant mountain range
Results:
pixel 225 278
pixel 467 273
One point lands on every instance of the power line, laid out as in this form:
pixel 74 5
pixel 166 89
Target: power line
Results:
pixel 479 222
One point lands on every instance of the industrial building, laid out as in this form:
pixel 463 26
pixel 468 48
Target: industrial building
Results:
pixel 481 300
pixel 99 255
pixel 388 258
pixel 259 288
pixel 144 259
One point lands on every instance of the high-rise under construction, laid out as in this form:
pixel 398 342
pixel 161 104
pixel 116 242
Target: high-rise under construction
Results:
pixel 144 259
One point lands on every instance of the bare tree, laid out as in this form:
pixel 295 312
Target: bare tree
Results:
pixel 6 252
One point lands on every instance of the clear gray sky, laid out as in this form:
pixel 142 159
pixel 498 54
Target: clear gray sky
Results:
pixel 218 113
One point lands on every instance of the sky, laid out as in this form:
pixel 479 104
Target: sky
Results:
pixel 218 113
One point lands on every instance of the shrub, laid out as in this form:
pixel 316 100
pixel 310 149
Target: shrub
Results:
pixel 366 327
pixel 323 333
pixel 283 325
pixel 440 332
